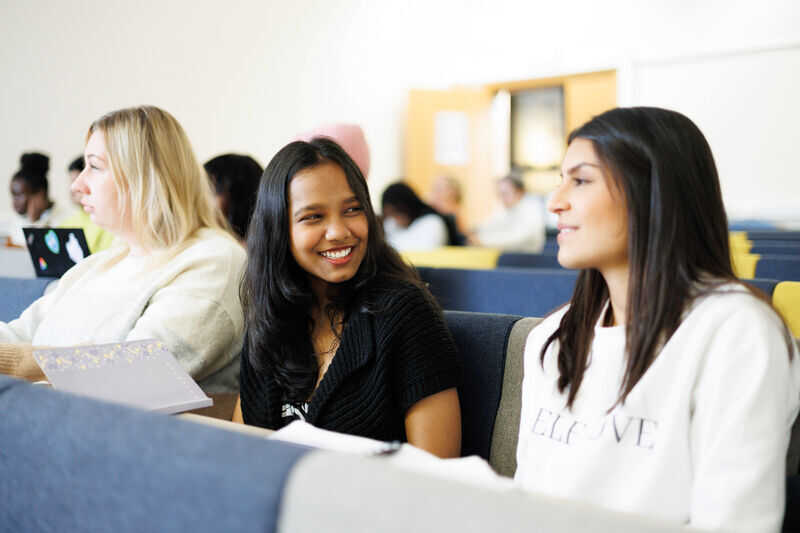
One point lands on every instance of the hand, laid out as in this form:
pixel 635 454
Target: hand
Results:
pixel 74 250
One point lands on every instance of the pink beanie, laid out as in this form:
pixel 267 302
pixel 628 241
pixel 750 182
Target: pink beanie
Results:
pixel 350 137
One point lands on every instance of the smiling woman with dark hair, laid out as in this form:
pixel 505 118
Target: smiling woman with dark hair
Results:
pixel 666 387
pixel 340 332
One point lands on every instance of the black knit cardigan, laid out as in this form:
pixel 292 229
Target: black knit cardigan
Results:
pixel 386 362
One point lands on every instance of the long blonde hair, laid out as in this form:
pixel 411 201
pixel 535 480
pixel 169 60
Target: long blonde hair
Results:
pixel 160 184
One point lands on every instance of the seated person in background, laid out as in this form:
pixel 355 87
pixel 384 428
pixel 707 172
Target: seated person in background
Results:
pixel 340 331
pixel 176 273
pixel 518 226
pixel 666 386
pixel 350 137
pixel 411 224
pixel 235 178
pixel 96 237
pixel 29 196
pixel 445 197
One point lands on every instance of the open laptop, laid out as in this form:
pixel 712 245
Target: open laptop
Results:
pixel 55 250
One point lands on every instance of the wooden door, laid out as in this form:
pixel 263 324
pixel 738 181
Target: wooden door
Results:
pixel 431 114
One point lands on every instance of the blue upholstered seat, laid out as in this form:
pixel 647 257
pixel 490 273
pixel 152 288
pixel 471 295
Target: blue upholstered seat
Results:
pixel 790 248
pixel 73 464
pixel 482 340
pixel 517 291
pixel 16 294
pixel 523 260
pixel 780 267
pixel 767 286
pixel 757 235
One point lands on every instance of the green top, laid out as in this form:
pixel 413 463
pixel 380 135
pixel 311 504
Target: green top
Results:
pixel 97 238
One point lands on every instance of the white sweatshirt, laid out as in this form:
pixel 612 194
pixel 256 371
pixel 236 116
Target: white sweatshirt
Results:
pixel 188 298
pixel 701 438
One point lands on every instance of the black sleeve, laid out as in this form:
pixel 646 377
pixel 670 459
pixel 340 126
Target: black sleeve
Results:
pixel 257 393
pixel 423 355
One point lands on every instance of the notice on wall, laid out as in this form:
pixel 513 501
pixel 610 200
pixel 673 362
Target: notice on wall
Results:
pixel 451 138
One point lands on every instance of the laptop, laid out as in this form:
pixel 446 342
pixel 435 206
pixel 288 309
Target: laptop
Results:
pixel 55 250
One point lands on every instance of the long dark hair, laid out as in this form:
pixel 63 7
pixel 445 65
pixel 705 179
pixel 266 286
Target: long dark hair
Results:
pixel 236 175
pixel 677 237
pixel 276 292
pixel 403 198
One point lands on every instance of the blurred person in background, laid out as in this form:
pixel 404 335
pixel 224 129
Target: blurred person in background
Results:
pixel 235 178
pixel 519 225
pixel 30 197
pixel 411 224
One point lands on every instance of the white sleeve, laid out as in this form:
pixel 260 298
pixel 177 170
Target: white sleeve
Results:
pixel 745 400
pixel 200 319
pixel 425 233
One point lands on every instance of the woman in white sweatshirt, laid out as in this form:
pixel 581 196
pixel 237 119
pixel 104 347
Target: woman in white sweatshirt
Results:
pixel 176 276
pixel 666 387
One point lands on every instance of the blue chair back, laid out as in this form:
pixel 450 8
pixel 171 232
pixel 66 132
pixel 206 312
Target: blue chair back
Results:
pixel 780 267
pixel 71 463
pixel 789 248
pixel 16 294
pixel 767 286
pixel 482 341
pixel 517 291
pixel 523 260
pixel 782 235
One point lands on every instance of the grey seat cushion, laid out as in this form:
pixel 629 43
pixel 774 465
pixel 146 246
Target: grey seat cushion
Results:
pixel 503 455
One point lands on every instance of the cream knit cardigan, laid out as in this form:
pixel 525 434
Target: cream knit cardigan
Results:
pixel 187 297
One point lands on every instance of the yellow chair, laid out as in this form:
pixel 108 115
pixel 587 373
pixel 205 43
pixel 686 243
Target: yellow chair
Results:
pixel 744 264
pixel 455 257
pixel 786 300
pixel 739 242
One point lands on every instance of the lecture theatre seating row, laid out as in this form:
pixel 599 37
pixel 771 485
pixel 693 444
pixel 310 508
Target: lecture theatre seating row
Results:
pixel 537 292
pixel 524 292
pixel 761 262
pixel 83 465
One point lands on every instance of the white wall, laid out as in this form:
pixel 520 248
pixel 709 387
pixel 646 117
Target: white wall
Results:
pixel 246 76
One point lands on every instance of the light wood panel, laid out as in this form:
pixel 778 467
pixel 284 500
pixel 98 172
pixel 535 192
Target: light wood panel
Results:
pixel 585 95
pixel 588 95
pixel 421 166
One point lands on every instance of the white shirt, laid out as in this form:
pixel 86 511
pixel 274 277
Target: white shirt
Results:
pixel 519 228
pixel 50 217
pixel 701 438
pixel 425 233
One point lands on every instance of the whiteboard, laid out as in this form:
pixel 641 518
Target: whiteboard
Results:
pixel 748 106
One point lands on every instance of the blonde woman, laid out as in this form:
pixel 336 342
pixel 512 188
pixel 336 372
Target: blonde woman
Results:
pixel 175 276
